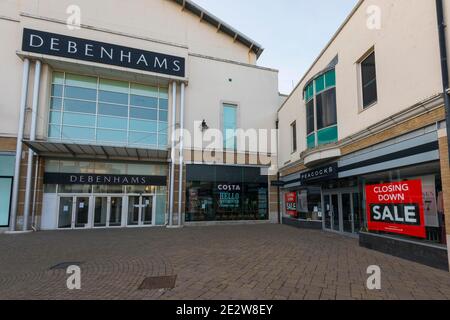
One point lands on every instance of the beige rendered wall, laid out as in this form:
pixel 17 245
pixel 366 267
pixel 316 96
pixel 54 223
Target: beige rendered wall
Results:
pixel 254 90
pixel 407 62
pixel 134 24
pixel 161 20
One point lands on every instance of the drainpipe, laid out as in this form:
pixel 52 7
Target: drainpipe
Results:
pixel 34 112
pixel 444 63
pixel 280 220
pixel 172 155
pixel 180 181
pixel 23 105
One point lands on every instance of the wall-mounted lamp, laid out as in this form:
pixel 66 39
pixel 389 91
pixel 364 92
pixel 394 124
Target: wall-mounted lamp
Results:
pixel 204 126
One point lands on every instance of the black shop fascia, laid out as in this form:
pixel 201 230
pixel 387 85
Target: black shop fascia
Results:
pixel 105 53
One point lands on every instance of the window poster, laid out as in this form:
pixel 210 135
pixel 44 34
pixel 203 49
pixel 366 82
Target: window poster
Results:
pixel 291 203
pixel 396 208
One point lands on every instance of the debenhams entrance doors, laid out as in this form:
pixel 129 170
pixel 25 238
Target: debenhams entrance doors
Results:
pixel 342 210
pixel 105 211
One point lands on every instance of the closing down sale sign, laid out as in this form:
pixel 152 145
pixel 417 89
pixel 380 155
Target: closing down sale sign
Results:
pixel 396 208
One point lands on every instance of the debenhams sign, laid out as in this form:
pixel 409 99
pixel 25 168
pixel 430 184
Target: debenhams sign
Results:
pixel 103 179
pixel 94 51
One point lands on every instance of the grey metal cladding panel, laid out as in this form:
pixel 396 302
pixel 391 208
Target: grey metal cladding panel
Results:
pixel 122 152
pixel 110 151
pixel 394 147
pixel 132 152
pixel 97 150
pixel 77 149
pixel 142 153
pixel 290 177
pixel 408 161
pixel 86 150
pixel 292 185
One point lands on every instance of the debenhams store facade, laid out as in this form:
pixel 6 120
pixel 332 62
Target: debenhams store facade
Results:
pixel 96 105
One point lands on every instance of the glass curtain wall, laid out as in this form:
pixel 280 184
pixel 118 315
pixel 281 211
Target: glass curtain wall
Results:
pixel 101 111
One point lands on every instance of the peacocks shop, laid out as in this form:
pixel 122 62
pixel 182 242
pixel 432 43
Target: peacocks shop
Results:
pixel 389 195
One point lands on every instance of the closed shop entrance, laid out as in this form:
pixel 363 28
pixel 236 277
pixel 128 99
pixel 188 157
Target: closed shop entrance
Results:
pixel 342 210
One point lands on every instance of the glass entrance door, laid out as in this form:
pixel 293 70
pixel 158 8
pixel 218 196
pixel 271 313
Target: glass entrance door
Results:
pixel 81 212
pixel 107 212
pixel 101 212
pixel 347 213
pixel 342 211
pixel 140 210
pixel 115 212
pixel 147 210
pixel 335 212
pixel 65 213
pixel 328 211
pixel 73 212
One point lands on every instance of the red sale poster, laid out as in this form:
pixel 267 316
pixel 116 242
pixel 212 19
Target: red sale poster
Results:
pixel 396 208
pixel 291 203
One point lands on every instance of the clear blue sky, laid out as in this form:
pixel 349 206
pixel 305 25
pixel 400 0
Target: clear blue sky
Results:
pixel 292 32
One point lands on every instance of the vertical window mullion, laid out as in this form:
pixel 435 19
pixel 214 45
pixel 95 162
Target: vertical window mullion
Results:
pixel 316 138
pixel 129 113
pixel 158 119
pixel 62 107
pixel 96 110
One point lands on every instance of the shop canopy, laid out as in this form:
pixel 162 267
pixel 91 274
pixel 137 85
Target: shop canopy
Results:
pixel 88 151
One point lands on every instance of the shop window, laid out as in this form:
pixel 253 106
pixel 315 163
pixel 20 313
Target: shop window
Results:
pixel 222 193
pixel 309 204
pixel 95 110
pixel 321 110
pixel 431 191
pixel 369 81
pixel 229 126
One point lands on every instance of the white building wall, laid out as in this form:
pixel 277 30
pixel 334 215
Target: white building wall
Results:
pixel 407 62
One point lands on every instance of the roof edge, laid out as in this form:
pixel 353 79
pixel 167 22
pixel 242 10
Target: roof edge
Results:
pixel 221 25
pixel 336 34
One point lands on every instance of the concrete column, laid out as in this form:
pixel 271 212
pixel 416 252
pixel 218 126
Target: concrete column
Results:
pixel 180 180
pixel 23 106
pixel 172 155
pixel 27 206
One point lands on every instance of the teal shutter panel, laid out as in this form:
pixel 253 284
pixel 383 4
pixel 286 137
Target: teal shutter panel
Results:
pixel 330 79
pixel 311 141
pixel 327 135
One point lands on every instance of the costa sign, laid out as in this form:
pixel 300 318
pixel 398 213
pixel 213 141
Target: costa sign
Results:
pixel 94 51
pixel 396 208
pixel 291 203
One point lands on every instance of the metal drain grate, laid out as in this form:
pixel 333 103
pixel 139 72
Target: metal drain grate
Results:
pixel 65 265
pixel 158 283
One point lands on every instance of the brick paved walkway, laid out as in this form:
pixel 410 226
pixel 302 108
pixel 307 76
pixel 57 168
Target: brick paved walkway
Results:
pixel 232 262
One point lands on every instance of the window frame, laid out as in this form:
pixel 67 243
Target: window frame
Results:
pixel 313 99
pixel 294 140
pixel 223 104
pixel 360 62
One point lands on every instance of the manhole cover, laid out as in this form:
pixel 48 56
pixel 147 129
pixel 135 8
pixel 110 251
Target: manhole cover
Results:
pixel 65 265
pixel 155 283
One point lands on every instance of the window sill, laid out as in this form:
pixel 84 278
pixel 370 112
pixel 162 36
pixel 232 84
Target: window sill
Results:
pixel 370 106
